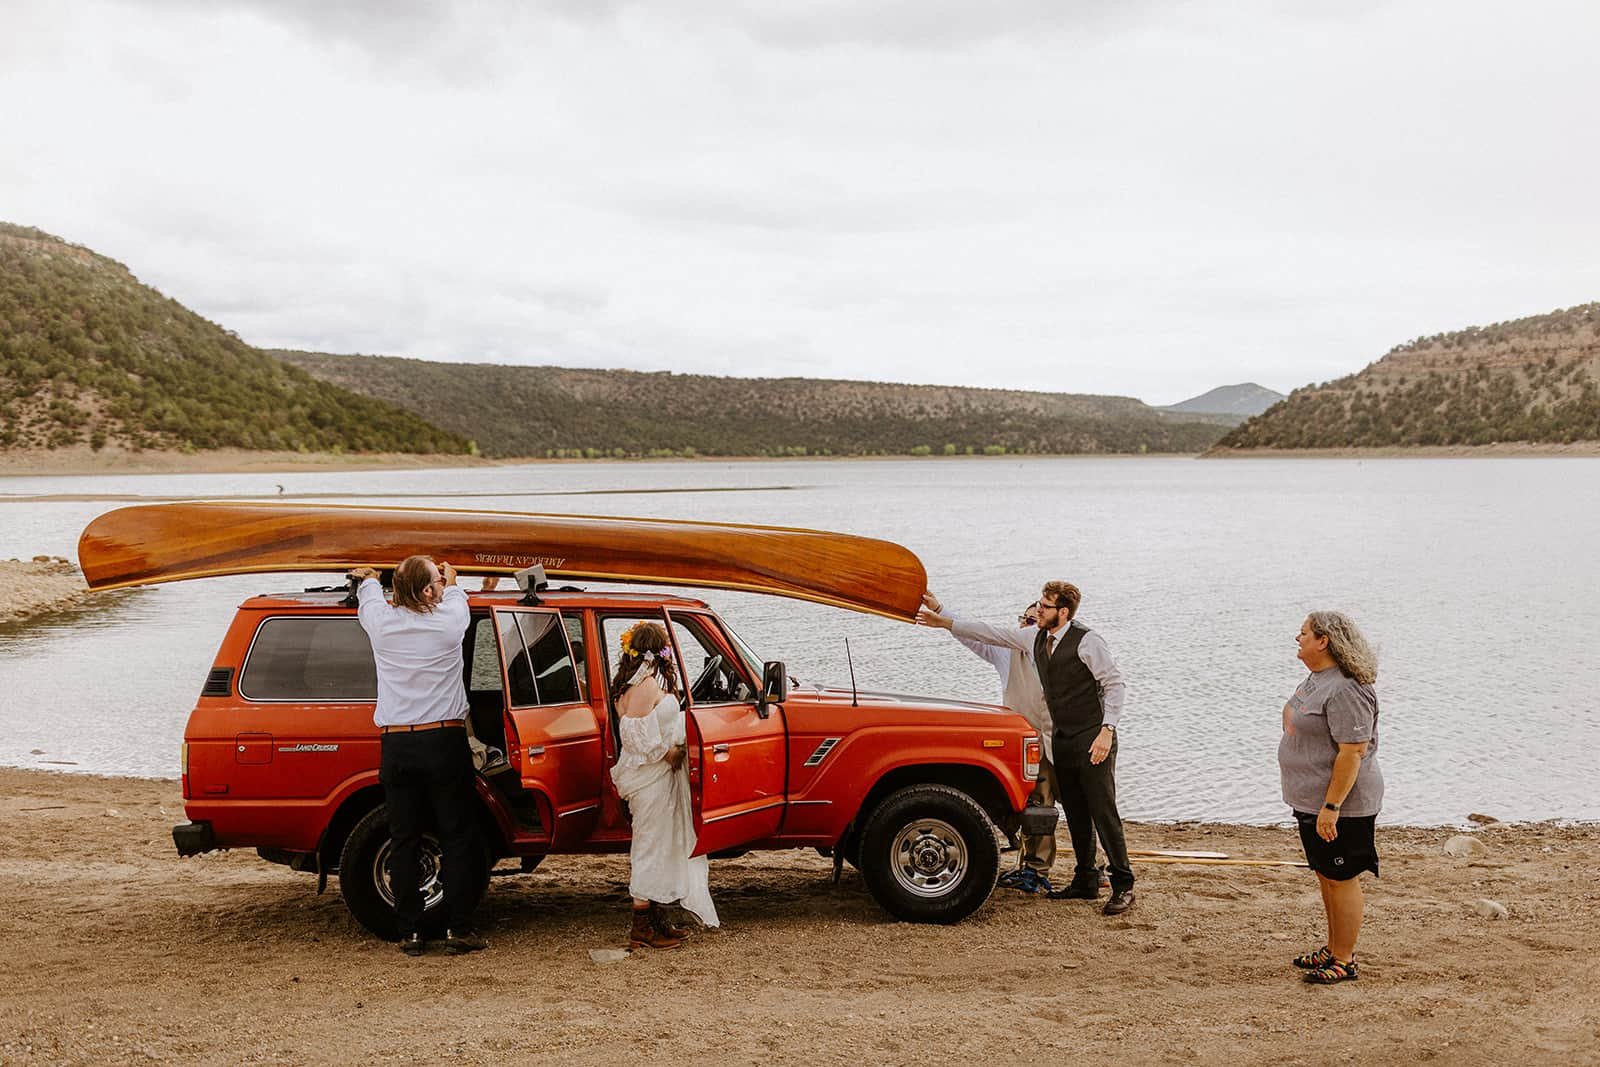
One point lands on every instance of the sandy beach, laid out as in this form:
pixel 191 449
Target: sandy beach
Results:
pixel 118 950
pixel 1505 450
pixel 80 459
pixel 37 586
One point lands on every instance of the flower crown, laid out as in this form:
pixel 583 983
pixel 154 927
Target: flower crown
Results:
pixel 627 644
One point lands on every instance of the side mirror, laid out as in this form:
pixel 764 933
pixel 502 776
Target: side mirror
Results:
pixel 774 685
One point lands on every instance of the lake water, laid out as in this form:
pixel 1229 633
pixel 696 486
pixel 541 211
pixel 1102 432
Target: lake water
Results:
pixel 1478 581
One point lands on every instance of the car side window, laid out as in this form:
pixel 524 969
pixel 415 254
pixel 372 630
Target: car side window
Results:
pixel 310 658
pixel 712 676
pixel 611 630
pixel 539 667
pixel 483 673
pixel 580 658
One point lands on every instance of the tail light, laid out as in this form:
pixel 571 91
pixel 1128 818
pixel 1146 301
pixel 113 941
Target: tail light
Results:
pixel 1032 753
pixel 183 764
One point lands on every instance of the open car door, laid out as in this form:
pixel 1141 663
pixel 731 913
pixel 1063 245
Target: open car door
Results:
pixel 736 747
pixel 552 734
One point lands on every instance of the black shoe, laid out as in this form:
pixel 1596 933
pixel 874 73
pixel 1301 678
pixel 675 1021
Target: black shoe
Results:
pixel 1119 903
pixel 413 945
pixel 458 943
pixel 1077 889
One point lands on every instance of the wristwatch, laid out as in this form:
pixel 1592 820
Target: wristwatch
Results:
pixel 1330 805
pixel 1108 726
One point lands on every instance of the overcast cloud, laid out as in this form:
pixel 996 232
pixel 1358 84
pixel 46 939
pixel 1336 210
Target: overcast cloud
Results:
pixel 1147 199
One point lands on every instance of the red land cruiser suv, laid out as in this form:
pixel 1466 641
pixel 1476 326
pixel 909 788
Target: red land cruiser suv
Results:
pixel 280 753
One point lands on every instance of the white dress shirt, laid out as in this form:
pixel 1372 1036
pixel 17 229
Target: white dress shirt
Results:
pixel 1092 651
pixel 1019 682
pixel 418 656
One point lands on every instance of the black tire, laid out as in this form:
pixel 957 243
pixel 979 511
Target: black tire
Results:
pixel 366 889
pixel 929 854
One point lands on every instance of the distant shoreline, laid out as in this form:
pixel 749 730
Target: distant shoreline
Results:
pixel 80 461
pixel 1510 449
pixel 72 462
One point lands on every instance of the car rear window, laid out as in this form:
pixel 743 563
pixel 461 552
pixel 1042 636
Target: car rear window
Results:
pixel 310 658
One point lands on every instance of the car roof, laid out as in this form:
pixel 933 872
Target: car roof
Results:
pixel 326 596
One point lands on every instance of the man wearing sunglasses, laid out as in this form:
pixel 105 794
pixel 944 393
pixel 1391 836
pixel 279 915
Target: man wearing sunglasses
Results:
pixel 1020 691
pixel 1084 692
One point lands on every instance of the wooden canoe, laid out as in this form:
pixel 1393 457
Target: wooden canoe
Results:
pixel 152 543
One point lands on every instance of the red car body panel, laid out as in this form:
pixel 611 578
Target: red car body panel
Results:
pixel 277 774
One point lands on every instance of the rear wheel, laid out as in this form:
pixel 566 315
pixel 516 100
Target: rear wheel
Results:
pixel 364 876
pixel 929 854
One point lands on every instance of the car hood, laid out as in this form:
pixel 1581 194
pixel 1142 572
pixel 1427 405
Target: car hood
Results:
pixel 909 701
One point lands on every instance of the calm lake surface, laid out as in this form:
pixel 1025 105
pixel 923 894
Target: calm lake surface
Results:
pixel 1477 579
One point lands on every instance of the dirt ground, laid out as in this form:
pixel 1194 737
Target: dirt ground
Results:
pixel 115 949
pixel 34 587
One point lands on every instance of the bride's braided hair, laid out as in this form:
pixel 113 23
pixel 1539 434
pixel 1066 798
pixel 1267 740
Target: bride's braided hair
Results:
pixel 645 642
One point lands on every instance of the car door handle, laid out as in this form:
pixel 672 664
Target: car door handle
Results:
pixel 719 751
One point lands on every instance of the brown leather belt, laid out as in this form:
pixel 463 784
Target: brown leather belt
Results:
pixel 423 726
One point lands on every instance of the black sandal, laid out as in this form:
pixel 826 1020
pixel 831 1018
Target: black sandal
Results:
pixel 1333 972
pixel 1307 961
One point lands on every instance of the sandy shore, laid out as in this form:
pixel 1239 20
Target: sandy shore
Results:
pixel 117 950
pixel 45 584
pixel 1496 451
pixel 82 460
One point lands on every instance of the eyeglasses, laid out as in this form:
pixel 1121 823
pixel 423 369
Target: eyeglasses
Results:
pixel 1044 606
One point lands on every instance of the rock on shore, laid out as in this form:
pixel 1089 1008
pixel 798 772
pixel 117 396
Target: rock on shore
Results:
pixel 36 586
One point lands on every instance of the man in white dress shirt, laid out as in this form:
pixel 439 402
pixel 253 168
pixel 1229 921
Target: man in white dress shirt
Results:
pixel 426 763
pixel 1020 691
pixel 1084 691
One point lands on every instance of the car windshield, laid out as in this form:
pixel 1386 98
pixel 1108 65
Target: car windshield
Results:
pixel 751 660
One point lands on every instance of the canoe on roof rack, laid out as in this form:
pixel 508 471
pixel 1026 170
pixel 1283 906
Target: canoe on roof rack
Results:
pixel 152 543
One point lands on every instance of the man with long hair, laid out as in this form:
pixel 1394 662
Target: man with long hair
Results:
pixel 426 762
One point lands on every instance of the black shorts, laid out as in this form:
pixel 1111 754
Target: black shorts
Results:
pixel 1347 855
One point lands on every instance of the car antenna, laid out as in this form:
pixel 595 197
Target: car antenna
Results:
pixel 855 702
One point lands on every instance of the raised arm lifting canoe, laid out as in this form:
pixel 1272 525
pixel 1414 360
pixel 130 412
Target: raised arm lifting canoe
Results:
pixel 152 543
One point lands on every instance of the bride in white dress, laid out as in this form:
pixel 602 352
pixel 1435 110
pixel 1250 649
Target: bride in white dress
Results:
pixel 651 775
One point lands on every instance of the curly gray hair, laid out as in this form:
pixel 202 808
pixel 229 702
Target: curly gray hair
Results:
pixel 1346 645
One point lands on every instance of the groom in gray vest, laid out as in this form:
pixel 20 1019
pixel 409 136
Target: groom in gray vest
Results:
pixel 1084 691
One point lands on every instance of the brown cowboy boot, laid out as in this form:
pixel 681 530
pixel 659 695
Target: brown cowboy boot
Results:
pixel 645 935
pixel 658 919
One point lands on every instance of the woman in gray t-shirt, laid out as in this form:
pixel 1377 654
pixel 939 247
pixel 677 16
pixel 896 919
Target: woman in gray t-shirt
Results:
pixel 1328 761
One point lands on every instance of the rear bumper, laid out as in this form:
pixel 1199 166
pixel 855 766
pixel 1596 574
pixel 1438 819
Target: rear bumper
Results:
pixel 193 838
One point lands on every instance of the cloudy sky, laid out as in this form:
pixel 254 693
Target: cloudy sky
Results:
pixel 1135 197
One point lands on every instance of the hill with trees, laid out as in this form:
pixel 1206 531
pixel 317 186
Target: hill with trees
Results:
pixel 561 412
pixel 1528 380
pixel 89 355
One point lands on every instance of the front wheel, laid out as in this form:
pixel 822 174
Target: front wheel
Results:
pixel 929 854
pixel 364 877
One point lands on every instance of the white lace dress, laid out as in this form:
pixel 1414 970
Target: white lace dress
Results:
pixel 663 820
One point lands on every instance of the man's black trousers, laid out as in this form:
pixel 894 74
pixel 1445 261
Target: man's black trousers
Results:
pixel 1089 797
pixel 427 780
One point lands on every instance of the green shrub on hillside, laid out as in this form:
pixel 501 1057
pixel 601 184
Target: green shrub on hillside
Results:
pixel 88 354
pixel 552 411
pixel 1531 380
